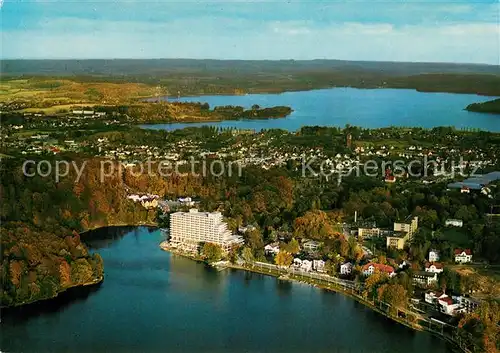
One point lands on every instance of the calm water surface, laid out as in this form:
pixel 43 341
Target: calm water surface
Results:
pixel 152 301
pixel 369 108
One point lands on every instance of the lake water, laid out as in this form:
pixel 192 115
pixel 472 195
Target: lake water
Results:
pixel 153 301
pixel 369 108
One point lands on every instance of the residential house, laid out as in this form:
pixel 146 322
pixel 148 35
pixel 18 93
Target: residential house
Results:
pixel 244 229
pixel 390 179
pixel 319 265
pixel 434 267
pixel 186 201
pixel 311 246
pixel 346 268
pixel 431 296
pixel 303 265
pixel 454 223
pixel 447 306
pixel 433 255
pixel 370 268
pixel 463 256
pixel 272 249
pixel 424 278
pixel 403 264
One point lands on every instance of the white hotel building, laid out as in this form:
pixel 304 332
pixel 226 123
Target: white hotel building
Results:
pixel 189 229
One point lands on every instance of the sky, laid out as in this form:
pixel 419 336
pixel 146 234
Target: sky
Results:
pixel 419 31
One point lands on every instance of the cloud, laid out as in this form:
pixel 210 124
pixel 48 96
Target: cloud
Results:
pixel 245 31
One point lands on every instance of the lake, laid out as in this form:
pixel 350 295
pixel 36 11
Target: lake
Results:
pixel 153 301
pixel 369 108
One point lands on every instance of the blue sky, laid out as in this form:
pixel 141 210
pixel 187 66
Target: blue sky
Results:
pixel 425 30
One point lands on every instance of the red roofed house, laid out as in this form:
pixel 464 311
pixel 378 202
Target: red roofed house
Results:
pixel 390 179
pixel 54 149
pixel 432 296
pixel 465 190
pixel 434 267
pixel 369 269
pixel 447 306
pixel 463 256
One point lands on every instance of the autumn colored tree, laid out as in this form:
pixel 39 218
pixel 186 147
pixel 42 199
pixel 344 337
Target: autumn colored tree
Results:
pixel 393 294
pixel 284 259
pixel 480 329
pixel 65 273
pixel 292 247
pixel 315 225
pixel 372 282
pixel 211 252
pixel 247 255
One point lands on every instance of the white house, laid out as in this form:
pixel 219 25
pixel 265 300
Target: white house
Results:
pixel 434 267
pixel 306 265
pixel 346 268
pixel 187 201
pixel 272 249
pixel 370 268
pixel 433 255
pixel 319 265
pixel 303 265
pixel 311 246
pixel 447 306
pixel 431 297
pixel 454 223
pixel 463 256
pixel 424 278
pixel 403 264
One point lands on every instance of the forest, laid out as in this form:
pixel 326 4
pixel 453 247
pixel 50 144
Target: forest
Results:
pixel 492 107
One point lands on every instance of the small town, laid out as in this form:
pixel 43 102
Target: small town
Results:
pixel 250 176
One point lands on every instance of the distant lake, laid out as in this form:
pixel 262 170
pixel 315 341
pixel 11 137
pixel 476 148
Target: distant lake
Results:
pixel 369 108
pixel 153 301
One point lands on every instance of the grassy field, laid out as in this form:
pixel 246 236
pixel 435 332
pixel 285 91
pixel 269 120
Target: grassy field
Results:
pixel 456 237
pixel 488 278
pixel 59 94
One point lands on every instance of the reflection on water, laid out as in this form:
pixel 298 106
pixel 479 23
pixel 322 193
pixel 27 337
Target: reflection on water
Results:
pixel 368 108
pixel 153 301
pixel 18 315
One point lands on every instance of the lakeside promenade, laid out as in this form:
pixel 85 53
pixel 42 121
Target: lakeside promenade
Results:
pixel 407 317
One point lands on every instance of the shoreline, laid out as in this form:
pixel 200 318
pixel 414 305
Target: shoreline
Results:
pixel 306 89
pixel 94 282
pixel 337 289
pixel 329 287
pixel 140 224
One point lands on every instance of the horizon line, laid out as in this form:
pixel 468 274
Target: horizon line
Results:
pixel 276 60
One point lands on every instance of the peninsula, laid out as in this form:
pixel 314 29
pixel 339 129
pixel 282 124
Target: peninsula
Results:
pixel 491 107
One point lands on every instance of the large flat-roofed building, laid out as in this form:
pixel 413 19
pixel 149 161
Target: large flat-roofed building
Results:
pixel 402 233
pixel 189 229
pixel 407 227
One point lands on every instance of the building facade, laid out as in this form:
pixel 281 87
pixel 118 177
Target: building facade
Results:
pixel 189 229
pixel 402 233
pixel 463 256
pixel 433 255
